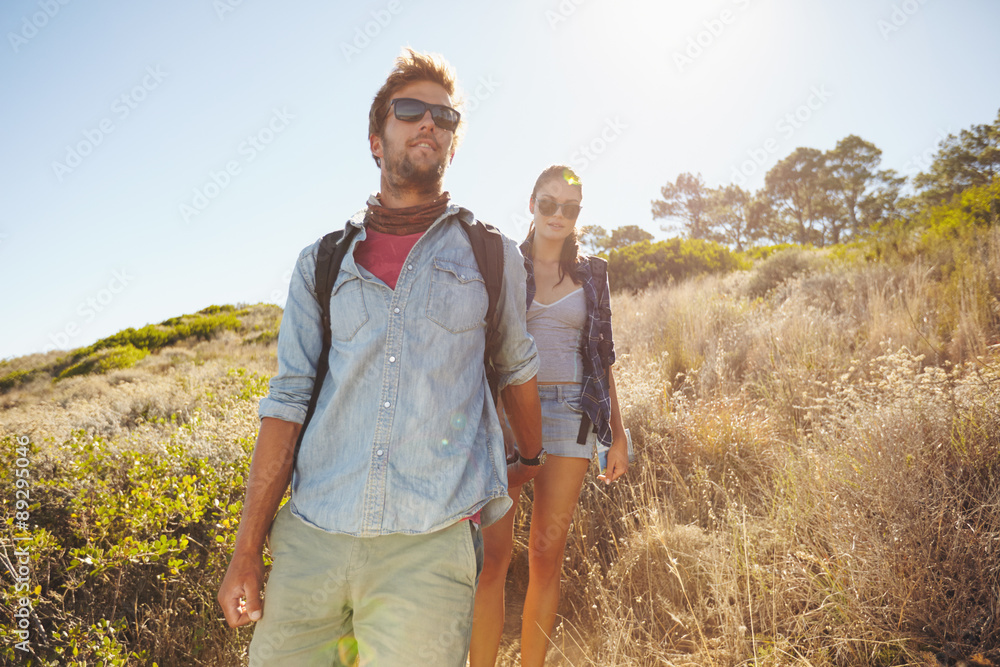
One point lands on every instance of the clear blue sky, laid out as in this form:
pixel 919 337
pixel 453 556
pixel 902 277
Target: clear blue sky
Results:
pixel 115 113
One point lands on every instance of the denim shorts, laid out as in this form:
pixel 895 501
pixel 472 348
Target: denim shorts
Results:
pixel 561 418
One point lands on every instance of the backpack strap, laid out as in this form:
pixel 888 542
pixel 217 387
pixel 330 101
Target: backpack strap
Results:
pixel 487 246
pixel 329 257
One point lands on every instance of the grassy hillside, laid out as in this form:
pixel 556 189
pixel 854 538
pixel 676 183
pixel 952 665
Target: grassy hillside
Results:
pixel 818 480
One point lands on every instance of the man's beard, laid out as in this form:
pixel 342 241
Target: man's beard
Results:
pixel 404 174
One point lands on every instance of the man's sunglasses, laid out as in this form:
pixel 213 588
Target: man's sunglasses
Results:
pixel 410 110
pixel 549 207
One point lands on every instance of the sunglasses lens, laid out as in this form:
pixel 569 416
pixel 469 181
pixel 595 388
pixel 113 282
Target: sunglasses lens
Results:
pixel 408 110
pixel 445 117
pixel 571 211
pixel 546 207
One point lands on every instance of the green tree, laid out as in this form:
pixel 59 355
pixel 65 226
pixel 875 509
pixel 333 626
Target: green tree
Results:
pixel 797 189
pixel 860 194
pixel 592 238
pixel 737 217
pixel 970 159
pixel 626 236
pixel 685 203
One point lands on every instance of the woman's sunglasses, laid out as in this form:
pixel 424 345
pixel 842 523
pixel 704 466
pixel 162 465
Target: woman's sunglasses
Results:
pixel 549 207
pixel 410 110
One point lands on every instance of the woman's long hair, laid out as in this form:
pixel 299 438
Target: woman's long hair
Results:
pixel 570 254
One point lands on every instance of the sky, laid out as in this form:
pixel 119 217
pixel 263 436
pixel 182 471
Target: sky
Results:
pixel 158 158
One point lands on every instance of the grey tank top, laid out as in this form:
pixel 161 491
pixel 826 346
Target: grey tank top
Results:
pixel 557 328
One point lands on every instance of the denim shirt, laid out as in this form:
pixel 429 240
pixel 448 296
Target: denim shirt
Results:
pixel 405 437
pixel 597 347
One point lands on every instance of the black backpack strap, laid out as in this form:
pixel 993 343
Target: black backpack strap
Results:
pixel 487 246
pixel 330 255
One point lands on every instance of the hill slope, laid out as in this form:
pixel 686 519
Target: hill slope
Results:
pixel 818 481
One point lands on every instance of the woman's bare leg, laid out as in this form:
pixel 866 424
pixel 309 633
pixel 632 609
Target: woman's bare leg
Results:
pixel 488 614
pixel 556 492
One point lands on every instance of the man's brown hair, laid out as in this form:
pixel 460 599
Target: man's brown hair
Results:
pixel 412 66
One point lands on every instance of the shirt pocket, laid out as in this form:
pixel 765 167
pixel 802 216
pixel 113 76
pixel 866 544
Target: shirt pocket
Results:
pixel 457 299
pixel 347 307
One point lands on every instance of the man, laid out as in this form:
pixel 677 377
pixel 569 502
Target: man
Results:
pixel 376 555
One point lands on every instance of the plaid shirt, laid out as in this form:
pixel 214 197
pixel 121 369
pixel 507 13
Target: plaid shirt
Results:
pixel 596 348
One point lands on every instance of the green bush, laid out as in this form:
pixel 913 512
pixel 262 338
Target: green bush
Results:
pixel 263 338
pixel 207 326
pixel 103 361
pixel 15 378
pixel 139 538
pixel 153 337
pixel 764 252
pixel 215 310
pixel 642 264
pixel 779 267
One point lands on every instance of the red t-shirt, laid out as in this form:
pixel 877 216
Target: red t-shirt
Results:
pixel 384 254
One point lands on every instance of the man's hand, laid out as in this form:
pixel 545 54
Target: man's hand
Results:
pixel 240 593
pixel 520 402
pixel 270 471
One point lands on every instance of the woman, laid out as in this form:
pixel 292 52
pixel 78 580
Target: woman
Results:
pixel 569 315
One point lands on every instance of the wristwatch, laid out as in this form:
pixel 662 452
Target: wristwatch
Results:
pixel 537 461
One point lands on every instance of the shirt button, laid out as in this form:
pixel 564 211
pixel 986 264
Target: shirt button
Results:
pixel 410 267
pixel 392 360
pixel 395 310
pixel 379 453
pixel 386 404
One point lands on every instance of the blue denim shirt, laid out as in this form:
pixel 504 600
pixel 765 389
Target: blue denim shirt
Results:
pixel 405 437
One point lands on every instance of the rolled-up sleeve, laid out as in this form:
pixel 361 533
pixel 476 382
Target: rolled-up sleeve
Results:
pixel 299 345
pixel 604 315
pixel 516 358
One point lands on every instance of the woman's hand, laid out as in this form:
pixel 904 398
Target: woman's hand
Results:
pixel 617 460
pixel 518 473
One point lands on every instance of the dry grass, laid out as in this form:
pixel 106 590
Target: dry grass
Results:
pixel 820 476
pixel 819 481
